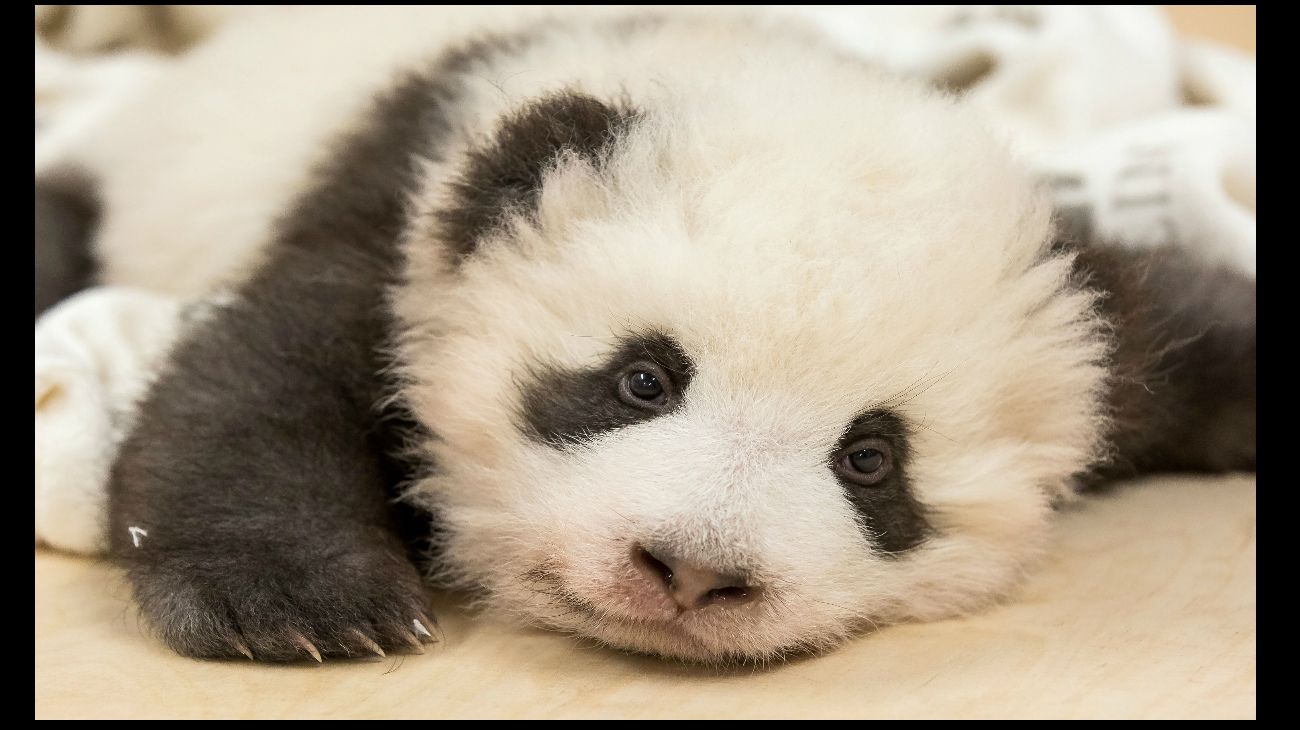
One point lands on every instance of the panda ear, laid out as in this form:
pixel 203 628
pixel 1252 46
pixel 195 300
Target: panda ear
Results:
pixel 505 175
pixel 1182 396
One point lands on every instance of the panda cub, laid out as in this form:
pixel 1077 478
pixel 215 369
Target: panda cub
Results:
pixel 686 334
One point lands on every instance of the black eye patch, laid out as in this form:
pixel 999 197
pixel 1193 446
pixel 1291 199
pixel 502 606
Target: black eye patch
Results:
pixel 646 376
pixel 893 520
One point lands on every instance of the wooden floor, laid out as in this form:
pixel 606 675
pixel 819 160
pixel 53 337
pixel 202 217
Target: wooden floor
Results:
pixel 1145 609
pixel 1233 25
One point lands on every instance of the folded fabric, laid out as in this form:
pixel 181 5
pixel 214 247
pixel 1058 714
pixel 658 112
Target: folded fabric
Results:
pixel 82 29
pixel 1144 141
pixel 73 95
pixel 1184 178
pixel 95 353
pixel 1046 75
pixel 1217 76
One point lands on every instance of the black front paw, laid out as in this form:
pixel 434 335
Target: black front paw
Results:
pixel 282 603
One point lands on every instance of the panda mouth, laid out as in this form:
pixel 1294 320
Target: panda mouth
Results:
pixel 684 635
pixel 711 635
pixel 549 583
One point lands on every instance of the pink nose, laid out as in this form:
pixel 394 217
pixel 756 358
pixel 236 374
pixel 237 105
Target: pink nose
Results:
pixel 692 586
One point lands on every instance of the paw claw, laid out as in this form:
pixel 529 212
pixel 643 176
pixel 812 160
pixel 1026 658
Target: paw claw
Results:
pixel 307 646
pixel 367 642
pixel 414 641
pixel 242 648
pixel 421 630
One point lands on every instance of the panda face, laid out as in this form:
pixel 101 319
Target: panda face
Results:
pixel 726 386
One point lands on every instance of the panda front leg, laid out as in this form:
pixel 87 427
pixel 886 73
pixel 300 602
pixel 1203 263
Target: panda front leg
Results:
pixel 251 503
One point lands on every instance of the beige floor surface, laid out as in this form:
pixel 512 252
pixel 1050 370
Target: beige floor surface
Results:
pixel 1146 608
pixel 1233 25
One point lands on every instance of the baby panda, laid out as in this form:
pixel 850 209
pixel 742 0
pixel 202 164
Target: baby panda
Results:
pixel 686 334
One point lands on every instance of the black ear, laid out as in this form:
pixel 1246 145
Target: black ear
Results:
pixel 506 174
pixel 1182 394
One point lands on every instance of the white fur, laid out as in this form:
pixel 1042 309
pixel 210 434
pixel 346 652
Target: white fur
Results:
pixel 819 238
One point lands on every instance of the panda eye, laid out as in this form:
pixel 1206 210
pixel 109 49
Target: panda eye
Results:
pixel 644 386
pixel 866 462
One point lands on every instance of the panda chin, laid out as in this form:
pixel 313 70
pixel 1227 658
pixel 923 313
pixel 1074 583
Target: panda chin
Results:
pixel 685 637
pixel 694 639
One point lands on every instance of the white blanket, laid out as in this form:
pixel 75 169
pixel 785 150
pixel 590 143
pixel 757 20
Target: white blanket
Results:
pixel 94 354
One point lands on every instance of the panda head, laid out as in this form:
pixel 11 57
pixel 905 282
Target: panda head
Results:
pixel 731 372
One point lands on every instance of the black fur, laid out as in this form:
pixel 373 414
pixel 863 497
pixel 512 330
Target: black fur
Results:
pixel 66 216
pixel 1182 390
pixel 505 176
pixel 562 406
pixel 262 465
pixel 891 517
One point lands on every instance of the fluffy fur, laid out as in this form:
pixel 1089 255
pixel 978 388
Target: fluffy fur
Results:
pixel 830 249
